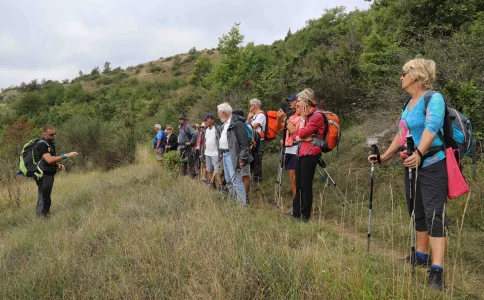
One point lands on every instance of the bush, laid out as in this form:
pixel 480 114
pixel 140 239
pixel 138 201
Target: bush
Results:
pixel 120 76
pixel 154 69
pixel 176 63
pixel 105 80
pixel 173 160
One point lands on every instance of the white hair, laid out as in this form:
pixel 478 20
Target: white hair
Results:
pixel 158 126
pixel 224 108
pixel 256 102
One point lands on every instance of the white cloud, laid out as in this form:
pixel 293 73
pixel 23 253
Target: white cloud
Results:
pixel 54 40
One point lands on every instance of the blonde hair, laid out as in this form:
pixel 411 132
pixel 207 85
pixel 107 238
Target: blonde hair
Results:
pixel 307 95
pixel 422 70
pixel 169 127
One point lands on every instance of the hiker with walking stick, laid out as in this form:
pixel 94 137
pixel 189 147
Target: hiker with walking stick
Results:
pixel 289 124
pixel 187 138
pixel 211 144
pixel 426 182
pixel 308 154
pixel 234 147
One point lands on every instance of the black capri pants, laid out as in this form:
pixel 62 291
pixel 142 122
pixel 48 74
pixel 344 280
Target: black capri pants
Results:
pixel 430 197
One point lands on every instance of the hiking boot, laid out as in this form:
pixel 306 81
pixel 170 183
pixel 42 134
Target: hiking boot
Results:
pixel 418 262
pixel 436 278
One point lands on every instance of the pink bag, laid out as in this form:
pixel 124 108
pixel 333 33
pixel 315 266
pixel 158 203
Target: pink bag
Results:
pixel 456 185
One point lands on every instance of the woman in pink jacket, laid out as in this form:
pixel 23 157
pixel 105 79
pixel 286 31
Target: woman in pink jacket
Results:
pixel 311 125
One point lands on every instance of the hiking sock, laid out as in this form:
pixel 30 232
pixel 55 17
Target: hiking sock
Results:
pixel 437 267
pixel 421 256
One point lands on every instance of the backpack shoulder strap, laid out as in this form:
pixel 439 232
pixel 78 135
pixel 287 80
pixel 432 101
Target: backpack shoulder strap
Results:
pixel 321 112
pixel 406 104
pixel 427 97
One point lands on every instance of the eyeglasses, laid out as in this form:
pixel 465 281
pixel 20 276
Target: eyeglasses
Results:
pixel 202 127
pixel 52 134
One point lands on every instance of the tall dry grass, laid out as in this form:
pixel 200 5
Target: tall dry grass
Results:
pixel 138 232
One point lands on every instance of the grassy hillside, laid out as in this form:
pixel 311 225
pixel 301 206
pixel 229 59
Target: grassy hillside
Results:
pixel 140 232
pixel 351 59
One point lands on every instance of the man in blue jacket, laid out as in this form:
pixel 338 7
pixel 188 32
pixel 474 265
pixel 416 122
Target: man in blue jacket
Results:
pixel 159 142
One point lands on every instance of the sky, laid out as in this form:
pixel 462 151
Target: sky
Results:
pixel 54 39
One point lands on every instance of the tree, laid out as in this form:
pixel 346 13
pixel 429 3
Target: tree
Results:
pixel 95 71
pixel 176 63
pixel 288 35
pixel 80 73
pixel 107 67
pixel 203 67
pixel 229 43
pixel 193 54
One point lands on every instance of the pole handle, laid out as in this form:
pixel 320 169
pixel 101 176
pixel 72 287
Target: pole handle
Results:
pixel 376 151
pixel 410 145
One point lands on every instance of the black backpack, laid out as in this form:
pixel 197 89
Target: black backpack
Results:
pixel 27 164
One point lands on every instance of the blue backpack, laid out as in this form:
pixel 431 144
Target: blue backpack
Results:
pixel 254 138
pixel 457 129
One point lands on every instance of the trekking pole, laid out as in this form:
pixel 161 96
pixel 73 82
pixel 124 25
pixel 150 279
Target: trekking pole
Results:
pixel 474 156
pixel 410 148
pixel 331 183
pixel 374 151
pixel 282 156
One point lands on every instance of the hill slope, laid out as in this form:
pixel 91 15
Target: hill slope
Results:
pixel 140 232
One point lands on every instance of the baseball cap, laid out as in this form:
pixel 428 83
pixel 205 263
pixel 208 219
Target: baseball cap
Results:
pixel 208 116
pixel 293 97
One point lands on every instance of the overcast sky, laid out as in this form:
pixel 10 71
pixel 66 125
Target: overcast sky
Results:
pixel 55 39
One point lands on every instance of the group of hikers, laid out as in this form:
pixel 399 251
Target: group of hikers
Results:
pixel 238 146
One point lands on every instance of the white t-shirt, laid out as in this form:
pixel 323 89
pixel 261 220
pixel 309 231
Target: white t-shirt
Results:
pixel 210 142
pixel 224 143
pixel 261 119
pixel 291 149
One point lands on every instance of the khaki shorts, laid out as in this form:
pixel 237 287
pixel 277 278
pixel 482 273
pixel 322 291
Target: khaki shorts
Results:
pixel 159 153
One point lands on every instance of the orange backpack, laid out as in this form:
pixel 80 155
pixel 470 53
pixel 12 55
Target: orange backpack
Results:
pixel 269 132
pixel 332 132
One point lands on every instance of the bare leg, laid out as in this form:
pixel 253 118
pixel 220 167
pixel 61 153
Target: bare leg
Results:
pixel 438 244
pixel 423 242
pixel 246 180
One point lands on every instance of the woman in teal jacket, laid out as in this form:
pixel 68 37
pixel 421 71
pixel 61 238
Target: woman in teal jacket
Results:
pixel 430 192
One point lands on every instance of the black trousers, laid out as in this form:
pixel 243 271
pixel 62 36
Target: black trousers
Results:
pixel 44 189
pixel 189 164
pixel 430 198
pixel 256 164
pixel 302 203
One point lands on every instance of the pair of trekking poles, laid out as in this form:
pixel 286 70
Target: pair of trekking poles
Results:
pixel 409 152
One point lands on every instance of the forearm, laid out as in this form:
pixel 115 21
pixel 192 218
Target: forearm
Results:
pixel 392 149
pixel 53 159
pixel 426 141
pixel 158 144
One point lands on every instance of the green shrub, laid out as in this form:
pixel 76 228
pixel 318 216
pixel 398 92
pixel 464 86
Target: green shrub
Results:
pixel 154 69
pixel 173 160
pixel 105 80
